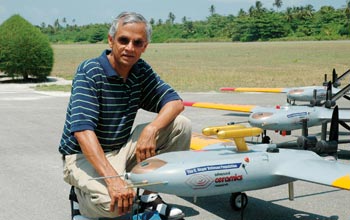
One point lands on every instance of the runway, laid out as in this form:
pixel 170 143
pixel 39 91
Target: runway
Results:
pixel 31 169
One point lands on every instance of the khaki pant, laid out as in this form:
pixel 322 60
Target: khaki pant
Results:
pixel 92 195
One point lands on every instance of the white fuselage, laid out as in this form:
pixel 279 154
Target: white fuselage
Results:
pixel 291 117
pixel 209 172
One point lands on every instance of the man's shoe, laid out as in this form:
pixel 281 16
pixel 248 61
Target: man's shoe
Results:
pixel 153 202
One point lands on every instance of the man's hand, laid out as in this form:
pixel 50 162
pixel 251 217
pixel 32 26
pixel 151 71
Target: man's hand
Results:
pixel 146 144
pixel 121 196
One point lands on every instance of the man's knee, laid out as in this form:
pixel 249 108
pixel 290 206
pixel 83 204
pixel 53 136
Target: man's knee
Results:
pixel 94 206
pixel 183 131
pixel 184 124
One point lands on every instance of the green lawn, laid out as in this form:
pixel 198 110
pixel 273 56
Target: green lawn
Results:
pixel 209 66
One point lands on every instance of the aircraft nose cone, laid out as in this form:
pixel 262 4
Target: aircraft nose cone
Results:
pixel 261 115
pixel 296 91
pixel 260 119
pixel 148 166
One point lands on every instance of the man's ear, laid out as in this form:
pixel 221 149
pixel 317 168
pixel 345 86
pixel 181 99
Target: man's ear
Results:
pixel 110 41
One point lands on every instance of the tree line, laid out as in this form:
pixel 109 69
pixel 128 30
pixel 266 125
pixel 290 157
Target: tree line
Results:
pixel 258 23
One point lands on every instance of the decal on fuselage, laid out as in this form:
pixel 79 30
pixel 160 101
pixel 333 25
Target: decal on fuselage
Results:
pixel 199 181
pixel 224 180
pixel 208 168
pixel 298 114
pixel 228 178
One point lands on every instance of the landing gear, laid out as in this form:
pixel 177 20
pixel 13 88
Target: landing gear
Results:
pixel 238 201
pixel 265 139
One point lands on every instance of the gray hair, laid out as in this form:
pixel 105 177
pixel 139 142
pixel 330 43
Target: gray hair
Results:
pixel 127 18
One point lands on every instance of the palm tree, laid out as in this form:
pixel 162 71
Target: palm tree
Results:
pixel 278 4
pixel 308 11
pixel 241 13
pixel 289 14
pixel 347 14
pixel 171 18
pixel 258 6
pixel 151 21
pixel 56 25
pixel 212 10
pixel 251 11
pixel 347 10
pixel 160 22
pixel 64 21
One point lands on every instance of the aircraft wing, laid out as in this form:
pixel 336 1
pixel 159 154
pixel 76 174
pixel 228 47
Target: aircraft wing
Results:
pixel 318 170
pixel 228 107
pixel 199 141
pixel 247 89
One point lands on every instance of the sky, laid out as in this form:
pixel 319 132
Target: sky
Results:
pixel 82 12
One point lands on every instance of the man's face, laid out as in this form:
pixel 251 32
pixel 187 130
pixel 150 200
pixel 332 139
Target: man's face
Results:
pixel 129 42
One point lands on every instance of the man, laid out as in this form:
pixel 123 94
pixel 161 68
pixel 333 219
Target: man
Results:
pixel 97 140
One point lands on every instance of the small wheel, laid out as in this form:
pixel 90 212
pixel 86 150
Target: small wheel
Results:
pixel 238 201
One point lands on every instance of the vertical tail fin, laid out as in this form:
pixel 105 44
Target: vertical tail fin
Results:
pixel 330 147
pixel 334 78
pixel 334 128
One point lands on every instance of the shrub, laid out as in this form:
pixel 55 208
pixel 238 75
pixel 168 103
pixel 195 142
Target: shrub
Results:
pixel 24 50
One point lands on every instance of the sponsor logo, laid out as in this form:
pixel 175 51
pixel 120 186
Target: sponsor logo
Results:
pixel 199 181
pixel 297 115
pixel 226 179
pixel 201 169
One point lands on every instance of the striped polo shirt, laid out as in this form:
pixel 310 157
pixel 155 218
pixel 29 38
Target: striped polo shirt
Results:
pixel 102 102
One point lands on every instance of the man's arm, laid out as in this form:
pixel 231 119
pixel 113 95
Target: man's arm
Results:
pixel 146 144
pixel 92 150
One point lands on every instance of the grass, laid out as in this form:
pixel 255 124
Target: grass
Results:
pixel 54 87
pixel 194 67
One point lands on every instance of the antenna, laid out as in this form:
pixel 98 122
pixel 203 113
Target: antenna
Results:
pixel 325 80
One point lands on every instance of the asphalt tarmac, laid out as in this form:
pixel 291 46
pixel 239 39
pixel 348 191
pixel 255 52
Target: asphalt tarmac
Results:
pixel 31 168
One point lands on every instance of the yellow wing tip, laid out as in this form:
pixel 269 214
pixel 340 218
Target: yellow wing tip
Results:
pixel 342 182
